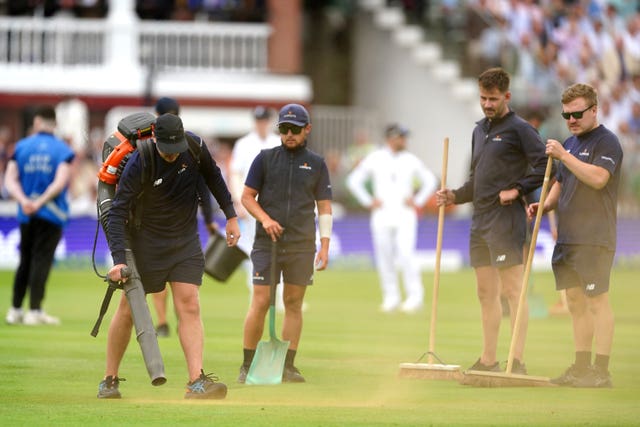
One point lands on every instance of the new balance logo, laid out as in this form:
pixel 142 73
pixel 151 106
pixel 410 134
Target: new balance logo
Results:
pixel 501 258
pixel 590 287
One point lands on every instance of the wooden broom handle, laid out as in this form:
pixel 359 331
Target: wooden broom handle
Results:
pixel 436 273
pixel 527 269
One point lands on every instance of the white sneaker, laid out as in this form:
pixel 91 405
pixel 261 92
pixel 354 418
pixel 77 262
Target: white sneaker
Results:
pixel 14 316
pixel 411 306
pixel 389 306
pixel 39 317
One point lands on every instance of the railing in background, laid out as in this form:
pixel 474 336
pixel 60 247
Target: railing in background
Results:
pixel 52 42
pixel 336 128
pixel 198 45
pixel 58 42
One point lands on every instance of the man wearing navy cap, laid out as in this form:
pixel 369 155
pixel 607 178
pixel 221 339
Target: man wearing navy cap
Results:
pixel 166 246
pixel 394 220
pixel 283 187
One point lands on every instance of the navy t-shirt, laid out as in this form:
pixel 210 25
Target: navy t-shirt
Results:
pixel 587 216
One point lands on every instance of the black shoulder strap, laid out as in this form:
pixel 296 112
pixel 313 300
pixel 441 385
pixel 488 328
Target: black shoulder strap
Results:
pixel 147 156
pixel 195 146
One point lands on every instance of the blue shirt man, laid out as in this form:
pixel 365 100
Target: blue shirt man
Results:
pixel 37 178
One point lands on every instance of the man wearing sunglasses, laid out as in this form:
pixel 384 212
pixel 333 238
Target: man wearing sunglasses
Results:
pixel 508 162
pixel 284 186
pixel 585 199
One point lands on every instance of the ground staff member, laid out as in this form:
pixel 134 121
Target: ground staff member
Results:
pixel 166 105
pixel 395 175
pixel 282 189
pixel 508 161
pixel 37 177
pixel 166 247
pixel 585 197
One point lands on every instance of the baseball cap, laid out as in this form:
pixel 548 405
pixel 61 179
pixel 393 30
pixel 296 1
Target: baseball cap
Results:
pixel 167 105
pixel 396 129
pixel 295 114
pixel 170 134
pixel 261 113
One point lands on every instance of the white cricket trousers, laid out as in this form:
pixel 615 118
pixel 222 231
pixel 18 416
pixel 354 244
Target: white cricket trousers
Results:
pixel 394 246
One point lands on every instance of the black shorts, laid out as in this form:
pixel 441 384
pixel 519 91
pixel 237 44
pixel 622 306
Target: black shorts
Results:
pixel 588 267
pixel 498 237
pixel 179 263
pixel 296 268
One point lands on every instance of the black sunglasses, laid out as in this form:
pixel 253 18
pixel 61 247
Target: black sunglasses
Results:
pixel 285 128
pixel 575 114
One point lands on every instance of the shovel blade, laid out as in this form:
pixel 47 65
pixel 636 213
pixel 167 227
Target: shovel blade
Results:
pixel 268 362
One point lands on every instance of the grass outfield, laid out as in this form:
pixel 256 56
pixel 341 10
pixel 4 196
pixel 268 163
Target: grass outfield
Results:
pixel 349 354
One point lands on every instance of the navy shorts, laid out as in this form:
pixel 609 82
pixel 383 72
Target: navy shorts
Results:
pixel 181 263
pixel 296 268
pixel 588 267
pixel 498 237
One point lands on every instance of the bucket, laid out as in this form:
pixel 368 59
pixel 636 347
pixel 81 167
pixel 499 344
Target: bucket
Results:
pixel 220 260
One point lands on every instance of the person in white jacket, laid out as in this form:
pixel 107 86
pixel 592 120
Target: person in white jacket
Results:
pixel 400 184
pixel 244 151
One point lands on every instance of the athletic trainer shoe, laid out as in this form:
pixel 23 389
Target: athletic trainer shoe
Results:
pixel 162 330
pixel 479 366
pixel 570 376
pixel 108 388
pixel 596 377
pixel 242 378
pixel 14 316
pixel 206 387
pixel 517 367
pixel 291 374
pixel 39 317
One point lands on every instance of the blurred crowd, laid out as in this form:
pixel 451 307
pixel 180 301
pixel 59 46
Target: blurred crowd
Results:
pixel 548 45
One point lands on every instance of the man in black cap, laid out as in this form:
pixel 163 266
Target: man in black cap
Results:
pixel 166 246
pixel 283 187
pixel 166 105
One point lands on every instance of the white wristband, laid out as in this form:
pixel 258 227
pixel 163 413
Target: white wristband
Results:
pixel 325 225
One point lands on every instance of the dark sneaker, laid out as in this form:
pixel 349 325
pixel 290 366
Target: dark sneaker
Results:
pixel 162 330
pixel 517 367
pixel 479 366
pixel 596 377
pixel 570 376
pixel 108 388
pixel 206 387
pixel 242 378
pixel 292 375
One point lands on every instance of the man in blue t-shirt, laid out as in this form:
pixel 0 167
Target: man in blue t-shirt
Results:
pixel 37 178
pixel 585 198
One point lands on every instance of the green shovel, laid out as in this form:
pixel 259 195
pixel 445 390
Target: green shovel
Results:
pixel 268 362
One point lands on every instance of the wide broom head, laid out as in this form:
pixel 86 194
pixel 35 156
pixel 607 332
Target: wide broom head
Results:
pixel 430 371
pixel 502 379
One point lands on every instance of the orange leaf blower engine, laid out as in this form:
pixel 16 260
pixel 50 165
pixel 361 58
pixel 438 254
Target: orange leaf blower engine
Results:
pixel 115 153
